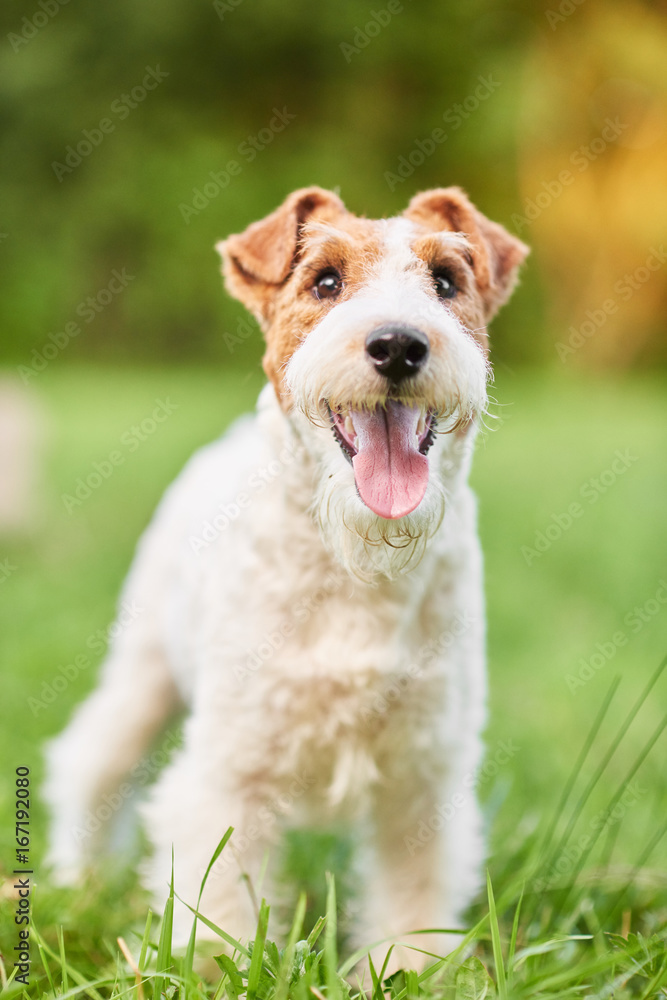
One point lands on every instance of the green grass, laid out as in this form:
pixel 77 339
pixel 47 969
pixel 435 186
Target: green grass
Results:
pixel 539 932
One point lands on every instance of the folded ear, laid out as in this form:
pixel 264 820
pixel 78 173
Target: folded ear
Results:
pixel 496 255
pixel 257 261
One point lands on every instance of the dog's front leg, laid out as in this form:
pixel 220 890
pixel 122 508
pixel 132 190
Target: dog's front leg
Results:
pixel 191 807
pixel 423 871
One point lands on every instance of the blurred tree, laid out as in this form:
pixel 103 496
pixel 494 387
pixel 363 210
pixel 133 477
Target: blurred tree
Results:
pixel 102 174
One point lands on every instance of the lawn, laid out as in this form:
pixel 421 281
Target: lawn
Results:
pixel 571 481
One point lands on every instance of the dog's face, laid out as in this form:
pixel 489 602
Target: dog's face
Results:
pixel 377 349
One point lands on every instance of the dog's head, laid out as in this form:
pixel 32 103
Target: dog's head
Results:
pixel 377 348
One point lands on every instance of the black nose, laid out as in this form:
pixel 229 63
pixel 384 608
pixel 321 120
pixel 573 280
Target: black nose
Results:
pixel 397 351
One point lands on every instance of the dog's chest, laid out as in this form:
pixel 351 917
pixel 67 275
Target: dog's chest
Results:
pixel 336 681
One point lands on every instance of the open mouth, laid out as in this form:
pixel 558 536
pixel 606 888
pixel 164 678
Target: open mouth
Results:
pixel 387 447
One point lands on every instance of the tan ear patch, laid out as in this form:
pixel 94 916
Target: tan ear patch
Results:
pixel 259 260
pixel 497 254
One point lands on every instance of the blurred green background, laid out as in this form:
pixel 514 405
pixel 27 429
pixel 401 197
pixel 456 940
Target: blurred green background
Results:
pixel 555 115
pixel 365 86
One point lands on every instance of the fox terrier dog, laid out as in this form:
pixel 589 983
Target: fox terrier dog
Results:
pixel 311 585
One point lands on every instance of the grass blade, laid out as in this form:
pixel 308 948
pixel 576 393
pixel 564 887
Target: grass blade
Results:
pixel 315 933
pixel 330 931
pixel 145 941
pixel 188 961
pixel 257 956
pixel 63 960
pixel 164 944
pixel 236 945
pixel 515 931
pixel 650 847
pixel 615 799
pixel 285 972
pixel 578 764
pixel 235 983
pixel 42 956
pixel 495 941
pixel 597 774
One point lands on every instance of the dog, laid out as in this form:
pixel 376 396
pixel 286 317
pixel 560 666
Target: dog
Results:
pixel 311 585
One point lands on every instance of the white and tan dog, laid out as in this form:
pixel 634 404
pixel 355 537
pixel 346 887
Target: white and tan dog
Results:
pixel 311 585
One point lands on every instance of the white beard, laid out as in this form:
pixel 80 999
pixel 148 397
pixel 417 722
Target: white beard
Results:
pixel 369 547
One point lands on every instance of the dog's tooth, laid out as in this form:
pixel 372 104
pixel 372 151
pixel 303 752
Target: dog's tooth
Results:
pixel 349 427
pixel 421 426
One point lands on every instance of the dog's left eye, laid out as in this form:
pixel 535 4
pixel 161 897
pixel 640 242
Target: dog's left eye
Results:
pixel 328 285
pixel 444 285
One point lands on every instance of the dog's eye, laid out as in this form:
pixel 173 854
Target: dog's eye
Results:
pixel 328 285
pixel 444 285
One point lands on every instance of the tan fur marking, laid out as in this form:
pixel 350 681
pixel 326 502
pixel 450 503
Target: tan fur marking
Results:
pixel 273 265
pixel 496 253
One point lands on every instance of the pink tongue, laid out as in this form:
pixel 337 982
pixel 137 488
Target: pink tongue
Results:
pixel 390 473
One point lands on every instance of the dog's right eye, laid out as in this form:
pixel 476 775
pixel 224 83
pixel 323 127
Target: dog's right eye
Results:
pixel 445 286
pixel 328 285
